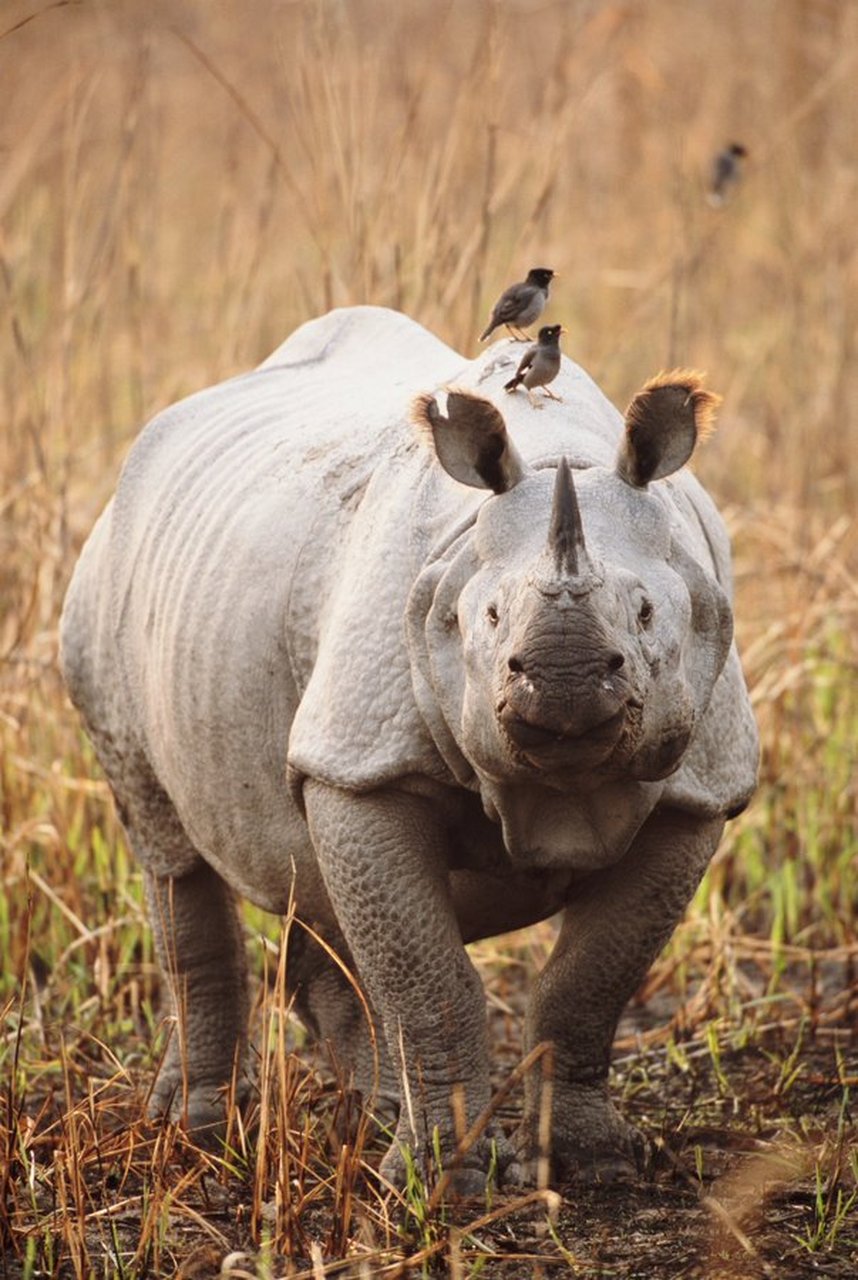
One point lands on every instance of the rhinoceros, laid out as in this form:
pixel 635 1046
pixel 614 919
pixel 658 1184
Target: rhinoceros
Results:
pixel 362 636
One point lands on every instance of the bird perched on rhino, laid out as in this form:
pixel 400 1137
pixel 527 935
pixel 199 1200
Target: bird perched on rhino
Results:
pixel 726 173
pixel 521 304
pixel 539 365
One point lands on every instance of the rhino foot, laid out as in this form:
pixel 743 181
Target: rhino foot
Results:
pixel 490 1161
pixel 201 1111
pixel 583 1165
pixel 590 1141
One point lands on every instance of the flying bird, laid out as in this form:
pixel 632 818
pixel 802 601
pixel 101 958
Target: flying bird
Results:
pixel 726 173
pixel 521 304
pixel 539 365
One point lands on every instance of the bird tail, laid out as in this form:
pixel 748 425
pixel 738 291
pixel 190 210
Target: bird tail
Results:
pixel 513 383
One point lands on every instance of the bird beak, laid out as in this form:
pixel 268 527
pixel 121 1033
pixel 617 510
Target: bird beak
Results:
pixel 563 329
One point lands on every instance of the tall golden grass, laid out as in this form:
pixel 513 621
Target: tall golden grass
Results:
pixel 183 183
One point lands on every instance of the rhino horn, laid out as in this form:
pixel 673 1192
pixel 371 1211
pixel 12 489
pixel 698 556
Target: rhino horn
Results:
pixel 566 532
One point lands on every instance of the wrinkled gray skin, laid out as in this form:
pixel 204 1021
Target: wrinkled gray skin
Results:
pixel 480 727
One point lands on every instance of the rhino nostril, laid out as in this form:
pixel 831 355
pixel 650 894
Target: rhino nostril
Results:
pixel 515 665
pixel 615 661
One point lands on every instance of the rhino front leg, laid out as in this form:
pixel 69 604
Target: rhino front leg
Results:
pixel 200 948
pixel 614 925
pixel 383 859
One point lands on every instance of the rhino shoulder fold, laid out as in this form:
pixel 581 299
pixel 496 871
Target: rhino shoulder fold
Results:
pixel 715 780
pixel 358 725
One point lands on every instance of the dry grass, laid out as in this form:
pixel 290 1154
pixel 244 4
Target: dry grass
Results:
pixel 181 185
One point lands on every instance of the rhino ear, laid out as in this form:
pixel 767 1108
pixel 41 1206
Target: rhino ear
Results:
pixel 663 424
pixel 471 443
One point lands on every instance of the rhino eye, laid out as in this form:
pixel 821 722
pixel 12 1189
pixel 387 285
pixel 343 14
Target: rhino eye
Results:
pixel 492 615
pixel 645 613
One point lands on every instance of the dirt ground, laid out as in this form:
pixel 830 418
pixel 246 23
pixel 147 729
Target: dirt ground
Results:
pixel 753 1174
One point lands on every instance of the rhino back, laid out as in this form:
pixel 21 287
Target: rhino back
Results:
pixel 192 623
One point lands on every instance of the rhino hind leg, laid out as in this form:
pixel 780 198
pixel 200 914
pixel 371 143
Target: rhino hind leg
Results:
pixel 198 938
pixel 325 1000
pixel 198 941
pixel 614 925
pixel 200 948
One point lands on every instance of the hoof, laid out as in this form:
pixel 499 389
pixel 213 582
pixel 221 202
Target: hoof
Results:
pixel 601 1152
pixel 202 1113
pixel 490 1161
pixel 592 1170
pixel 627 1159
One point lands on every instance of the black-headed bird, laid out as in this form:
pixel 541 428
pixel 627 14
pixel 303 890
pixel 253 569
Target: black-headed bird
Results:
pixel 726 173
pixel 539 365
pixel 521 304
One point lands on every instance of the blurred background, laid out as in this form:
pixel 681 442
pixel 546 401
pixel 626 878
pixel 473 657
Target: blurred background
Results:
pixel 183 183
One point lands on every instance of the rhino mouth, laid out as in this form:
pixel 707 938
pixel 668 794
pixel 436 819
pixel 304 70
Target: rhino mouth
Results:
pixel 540 744
pixel 528 734
pixel 606 737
